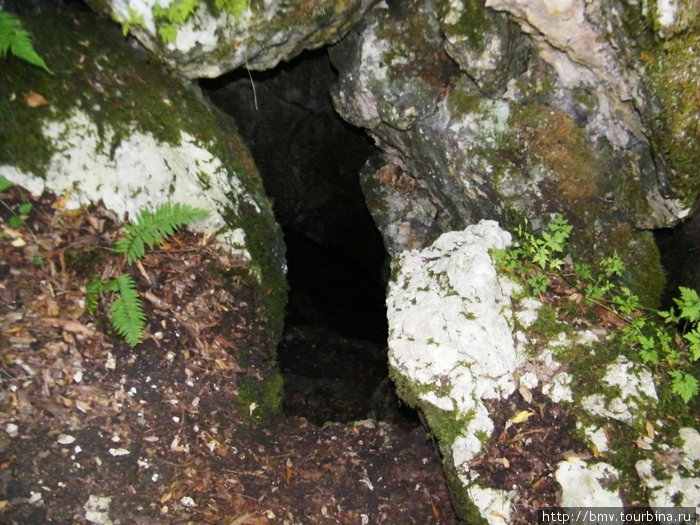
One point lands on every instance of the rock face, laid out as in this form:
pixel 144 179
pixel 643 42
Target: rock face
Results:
pixel 199 38
pixel 514 110
pixel 111 127
pixel 459 340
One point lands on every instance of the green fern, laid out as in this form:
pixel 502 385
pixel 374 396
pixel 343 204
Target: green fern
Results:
pixel 92 294
pixel 15 39
pixel 126 312
pixel 152 228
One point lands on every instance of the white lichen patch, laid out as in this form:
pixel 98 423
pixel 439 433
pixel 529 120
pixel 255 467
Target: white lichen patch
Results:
pixel 666 12
pixel 446 321
pixel 486 124
pixel 674 479
pixel 596 437
pixel 584 485
pixel 449 331
pixel 97 510
pixel 493 505
pixel 636 386
pixel 140 172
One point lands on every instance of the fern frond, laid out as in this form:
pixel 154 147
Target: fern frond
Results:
pixel 126 312
pixel 152 228
pixel 92 294
pixel 18 41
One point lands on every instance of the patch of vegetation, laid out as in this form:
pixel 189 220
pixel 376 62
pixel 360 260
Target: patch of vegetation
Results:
pixel 179 12
pixel 148 229
pixel 667 341
pixel 15 39
pixel 20 214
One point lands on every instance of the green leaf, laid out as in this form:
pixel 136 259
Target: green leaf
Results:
pixel 126 312
pixel 689 304
pixel 16 40
pixel 92 294
pixel 5 183
pixel 152 228
pixel 25 208
pixel 235 7
pixel 613 266
pixel 584 272
pixel 167 33
pixel 693 337
pixel 683 384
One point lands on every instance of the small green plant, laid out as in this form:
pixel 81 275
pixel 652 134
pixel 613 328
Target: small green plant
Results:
pixel 148 229
pixel 179 11
pixel 235 7
pixel 534 255
pixel 18 216
pixel 536 259
pixel 15 39
pixel 134 19
pixel 176 13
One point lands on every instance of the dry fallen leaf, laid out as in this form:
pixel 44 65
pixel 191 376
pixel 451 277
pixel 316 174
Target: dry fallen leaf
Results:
pixel 650 430
pixel 35 100
pixel 521 416
pixel 526 393
pixel 70 326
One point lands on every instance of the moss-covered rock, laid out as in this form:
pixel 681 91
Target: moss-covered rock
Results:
pixel 111 126
pixel 206 38
pixel 466 344
pixel 552 130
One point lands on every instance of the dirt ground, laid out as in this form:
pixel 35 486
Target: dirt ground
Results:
pixel 183 427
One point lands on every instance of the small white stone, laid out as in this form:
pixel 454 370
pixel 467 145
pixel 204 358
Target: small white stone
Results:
pixel 97 510
pixel 65 439
pixel 119 451
pixel 186 501
pixel 12 429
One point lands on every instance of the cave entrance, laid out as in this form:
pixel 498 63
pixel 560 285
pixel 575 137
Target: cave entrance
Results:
pixel 680 255
pixel 333 351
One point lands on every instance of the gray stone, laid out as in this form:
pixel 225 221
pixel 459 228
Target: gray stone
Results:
pixel 205 39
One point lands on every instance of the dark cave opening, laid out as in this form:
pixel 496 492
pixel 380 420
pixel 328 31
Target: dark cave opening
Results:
pixel 333 351
pixel 680 256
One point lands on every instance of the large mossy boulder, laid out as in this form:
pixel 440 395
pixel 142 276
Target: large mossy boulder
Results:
pixel 205 38
pixel 516 111
pixel 526 405
pixel 110 126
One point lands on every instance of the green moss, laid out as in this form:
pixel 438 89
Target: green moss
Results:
pixel 673 70
pixel 548 324
pixel 260 399
pixel 99 74
pixel 473 22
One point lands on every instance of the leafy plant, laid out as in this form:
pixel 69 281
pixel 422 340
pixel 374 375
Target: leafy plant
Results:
pixel 533 254
pixel 151 228
pixel 15 39
pixel 17 219
pixel 235 7
pixel 126 312
pixel 148 229
pixel 176 13
pixel 134 19
pixel 535 259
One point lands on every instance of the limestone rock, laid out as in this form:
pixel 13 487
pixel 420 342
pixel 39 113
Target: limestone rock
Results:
pixel 459 340
pixel 119 130
pixel 206 39
pixel 514 110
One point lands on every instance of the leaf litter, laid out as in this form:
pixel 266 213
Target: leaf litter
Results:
pixel 92 431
